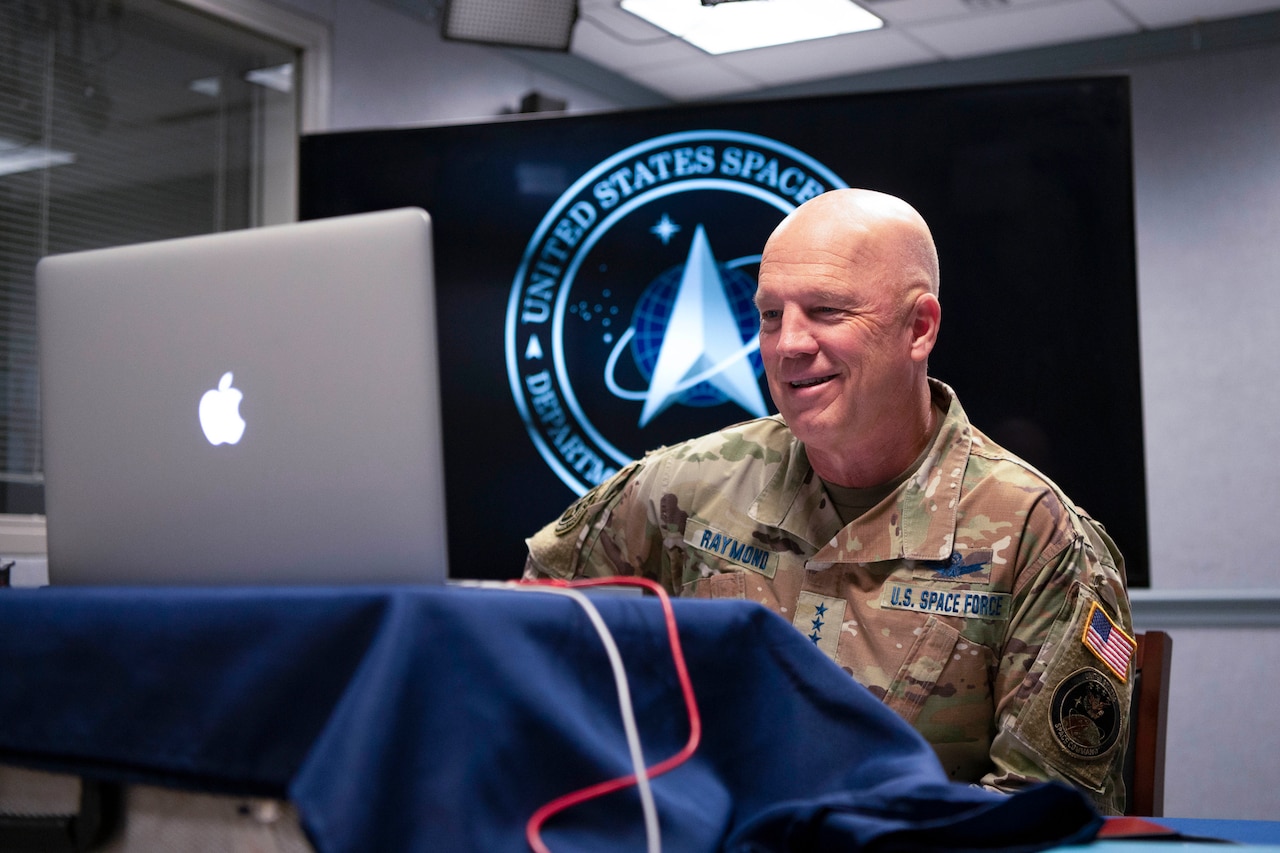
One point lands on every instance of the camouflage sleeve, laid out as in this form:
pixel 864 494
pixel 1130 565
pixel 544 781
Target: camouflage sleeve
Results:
pixel 602 534
pixel 1064 688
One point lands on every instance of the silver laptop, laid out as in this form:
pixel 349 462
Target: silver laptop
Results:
pixel 252 407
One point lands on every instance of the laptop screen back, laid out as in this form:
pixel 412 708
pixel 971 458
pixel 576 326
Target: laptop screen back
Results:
pixel 251 407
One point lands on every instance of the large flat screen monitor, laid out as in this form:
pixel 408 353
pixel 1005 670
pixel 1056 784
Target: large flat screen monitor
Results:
pixel 561 243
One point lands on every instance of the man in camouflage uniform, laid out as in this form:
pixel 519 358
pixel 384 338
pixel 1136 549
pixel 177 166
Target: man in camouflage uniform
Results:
pixel 948 576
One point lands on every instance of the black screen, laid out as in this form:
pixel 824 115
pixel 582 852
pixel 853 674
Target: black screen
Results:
pixel 561 245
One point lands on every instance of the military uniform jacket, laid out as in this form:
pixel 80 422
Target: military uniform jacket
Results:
pixel 976 600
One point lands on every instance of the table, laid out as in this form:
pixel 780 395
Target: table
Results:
pixel 1172 834
pixel 1253 832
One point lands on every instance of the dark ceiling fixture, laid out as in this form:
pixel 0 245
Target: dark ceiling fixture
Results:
pixel 542 24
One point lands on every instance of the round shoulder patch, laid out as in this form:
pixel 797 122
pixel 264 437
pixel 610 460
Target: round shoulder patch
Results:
pixel 575 513
pixel 1085 714
pixel 602 493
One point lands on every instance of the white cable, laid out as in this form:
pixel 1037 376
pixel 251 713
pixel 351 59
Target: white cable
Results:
pixel 653 837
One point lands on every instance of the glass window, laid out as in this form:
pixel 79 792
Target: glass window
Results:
pixel 123 121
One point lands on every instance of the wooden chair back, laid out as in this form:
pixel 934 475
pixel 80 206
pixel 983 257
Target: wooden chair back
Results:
pixel 1144 766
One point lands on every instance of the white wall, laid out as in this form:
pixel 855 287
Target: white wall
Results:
pixel 1207 185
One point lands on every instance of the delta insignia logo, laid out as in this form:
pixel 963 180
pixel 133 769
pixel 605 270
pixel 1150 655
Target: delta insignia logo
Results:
pixel 631 320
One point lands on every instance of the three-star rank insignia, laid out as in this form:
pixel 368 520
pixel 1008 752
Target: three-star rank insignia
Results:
pixel 820 618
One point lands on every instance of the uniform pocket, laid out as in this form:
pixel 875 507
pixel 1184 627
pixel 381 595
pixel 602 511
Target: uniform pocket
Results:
pixel 722 585
pixel 919 673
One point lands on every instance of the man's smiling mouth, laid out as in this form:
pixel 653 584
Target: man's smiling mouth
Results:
pixel 809 383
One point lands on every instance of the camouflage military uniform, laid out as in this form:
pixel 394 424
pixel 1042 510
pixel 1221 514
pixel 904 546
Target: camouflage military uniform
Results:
pixel 964 599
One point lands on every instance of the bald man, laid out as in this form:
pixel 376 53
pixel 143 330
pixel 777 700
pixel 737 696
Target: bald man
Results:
pixel 949 577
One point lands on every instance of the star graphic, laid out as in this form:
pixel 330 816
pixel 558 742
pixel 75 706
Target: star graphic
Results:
pixel 817 624
pixel 702 342
pixel 814 636
pixel 821 609
pixel 665 229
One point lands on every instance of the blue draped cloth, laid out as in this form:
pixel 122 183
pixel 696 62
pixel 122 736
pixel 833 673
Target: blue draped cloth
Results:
pixel 441 718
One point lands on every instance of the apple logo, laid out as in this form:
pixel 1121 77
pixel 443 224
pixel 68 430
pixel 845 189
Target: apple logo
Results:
pixel 220 413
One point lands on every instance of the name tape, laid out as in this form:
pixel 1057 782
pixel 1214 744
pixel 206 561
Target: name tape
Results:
pixel 966 603
pixel 731 548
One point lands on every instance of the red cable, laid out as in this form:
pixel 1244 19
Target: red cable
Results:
pixel 533 829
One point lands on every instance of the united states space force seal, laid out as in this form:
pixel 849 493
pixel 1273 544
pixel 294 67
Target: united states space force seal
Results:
pixel 1085 714
pixel 631 321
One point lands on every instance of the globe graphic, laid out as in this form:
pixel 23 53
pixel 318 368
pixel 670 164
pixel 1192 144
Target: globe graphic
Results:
pixel 653 313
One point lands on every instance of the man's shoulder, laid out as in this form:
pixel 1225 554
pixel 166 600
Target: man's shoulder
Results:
pixel 992 473
pixel 765 440
pixel 996 466
pixel 996 461
pixel 740 458
pixel 996 477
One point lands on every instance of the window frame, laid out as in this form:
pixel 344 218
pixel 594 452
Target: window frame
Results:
pixel 23 536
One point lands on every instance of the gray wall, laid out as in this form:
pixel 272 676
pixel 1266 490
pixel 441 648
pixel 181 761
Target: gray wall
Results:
pixel 1207 185
pixel 1207 176
pixel 390 68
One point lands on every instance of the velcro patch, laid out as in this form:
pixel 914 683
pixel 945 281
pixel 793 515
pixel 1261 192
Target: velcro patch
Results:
pixel 820 618
pixel 965 603
pixel 739 550
pixel 1109 642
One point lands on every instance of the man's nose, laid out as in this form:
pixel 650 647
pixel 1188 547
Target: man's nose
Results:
pixel 795 336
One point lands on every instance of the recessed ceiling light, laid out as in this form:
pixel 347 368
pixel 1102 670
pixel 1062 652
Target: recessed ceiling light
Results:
pixel 25 157
pixel 278 77
pixel 208 86
pixel 726 27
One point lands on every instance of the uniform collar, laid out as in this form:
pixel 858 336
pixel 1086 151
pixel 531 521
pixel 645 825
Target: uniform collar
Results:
pixel 916 522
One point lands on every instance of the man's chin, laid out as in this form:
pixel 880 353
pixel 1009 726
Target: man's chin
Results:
pixel 805 426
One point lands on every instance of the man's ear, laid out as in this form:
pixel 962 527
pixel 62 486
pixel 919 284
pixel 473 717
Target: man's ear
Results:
pixel 926 317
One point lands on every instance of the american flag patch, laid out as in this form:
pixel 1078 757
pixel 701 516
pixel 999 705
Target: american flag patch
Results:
pixel 1109 642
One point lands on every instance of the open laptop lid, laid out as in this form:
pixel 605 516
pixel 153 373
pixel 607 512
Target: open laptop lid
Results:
pixel 324 331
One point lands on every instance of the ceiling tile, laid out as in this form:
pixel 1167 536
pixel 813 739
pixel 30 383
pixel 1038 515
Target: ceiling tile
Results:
pixel 916 32
pixel 618 40
pixel 1154 14
pixel 905 12
pixel 695 80
pixel 1017 27
pixel 831 57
